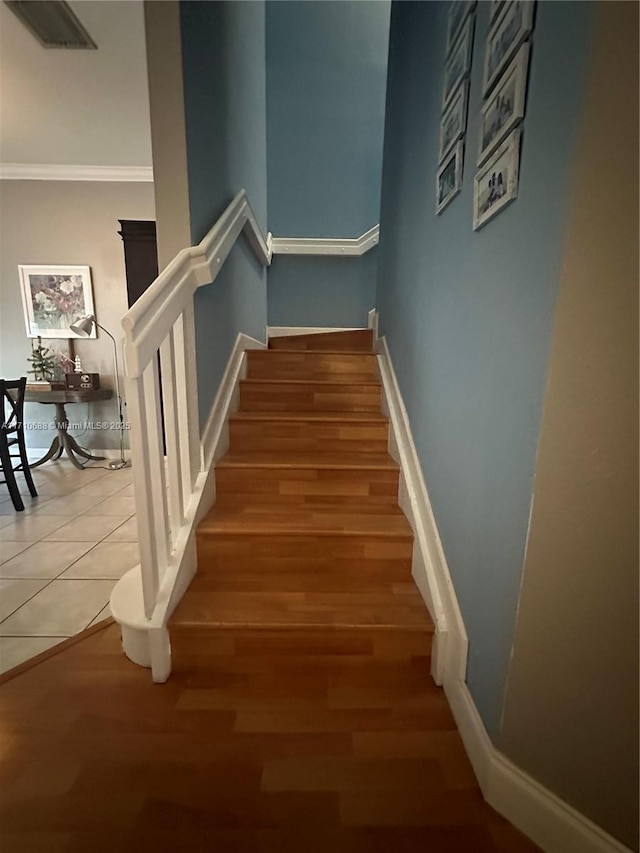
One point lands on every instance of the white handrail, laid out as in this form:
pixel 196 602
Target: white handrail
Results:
pixel 161 322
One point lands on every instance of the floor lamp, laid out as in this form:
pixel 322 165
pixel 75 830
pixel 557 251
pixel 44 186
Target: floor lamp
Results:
pixel 83 328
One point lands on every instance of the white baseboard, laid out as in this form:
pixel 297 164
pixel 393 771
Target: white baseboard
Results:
pixel 214 440
pixel 286 331
pixel 551 823
pixel 429 568
pixel 372 323
pixel 554 825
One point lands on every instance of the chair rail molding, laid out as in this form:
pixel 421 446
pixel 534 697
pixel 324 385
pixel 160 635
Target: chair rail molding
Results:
pixel 55 172
pixel 327 245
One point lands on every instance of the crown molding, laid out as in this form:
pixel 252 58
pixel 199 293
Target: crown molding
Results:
pixel 54 172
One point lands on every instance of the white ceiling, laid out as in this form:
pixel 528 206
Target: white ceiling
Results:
pixel 77 107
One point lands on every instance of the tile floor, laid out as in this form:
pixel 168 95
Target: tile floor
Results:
pixel 61 557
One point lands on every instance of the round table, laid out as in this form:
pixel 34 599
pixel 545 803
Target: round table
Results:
pixel 63 441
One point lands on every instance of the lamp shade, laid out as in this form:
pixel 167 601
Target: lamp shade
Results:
pixel 84 326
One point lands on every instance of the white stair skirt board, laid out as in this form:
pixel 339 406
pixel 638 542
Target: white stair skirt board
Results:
pixel 551 823
pixel 287 331
pixel 146 641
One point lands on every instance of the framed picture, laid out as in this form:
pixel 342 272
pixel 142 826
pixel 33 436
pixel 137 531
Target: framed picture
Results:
pixel 454 121
pixel 54 297
pixel 458 64
pixel 496 183
pixel 449 178
pixel 458 11
pixel 504 108
pixel 505 37
pixel 495 7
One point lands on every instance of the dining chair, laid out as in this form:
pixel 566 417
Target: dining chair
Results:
pixel 12 436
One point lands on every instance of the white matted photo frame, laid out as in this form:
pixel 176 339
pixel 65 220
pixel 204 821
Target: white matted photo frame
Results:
pixel 504 108
pixel 454 121
pixel 495 7
pixel 449 178
pixel 458 64
pixel 496 183
pixel 458 11
pixel 54 297
pixel 504 38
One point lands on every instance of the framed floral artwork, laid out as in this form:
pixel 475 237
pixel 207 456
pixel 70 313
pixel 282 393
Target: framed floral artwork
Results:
pixel 55 297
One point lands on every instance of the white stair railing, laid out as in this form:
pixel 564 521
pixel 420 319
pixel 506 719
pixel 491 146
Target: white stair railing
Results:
pixel 162 321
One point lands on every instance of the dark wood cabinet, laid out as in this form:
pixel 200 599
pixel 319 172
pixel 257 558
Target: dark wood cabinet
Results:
pixel 140 255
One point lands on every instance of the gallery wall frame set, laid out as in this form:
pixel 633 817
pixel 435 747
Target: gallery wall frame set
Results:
pixel 54 297
pixel 505 106
pixel 458 64
pixel 505 73
pixel 449 177
pixel 455 101
pixel 453 124
pixel 512 26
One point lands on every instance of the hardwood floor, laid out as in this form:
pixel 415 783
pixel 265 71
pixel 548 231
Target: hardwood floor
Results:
pixel 262 740
pixel 300 714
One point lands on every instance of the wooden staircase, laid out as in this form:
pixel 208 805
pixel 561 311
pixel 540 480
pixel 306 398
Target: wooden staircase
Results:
pixel 306 532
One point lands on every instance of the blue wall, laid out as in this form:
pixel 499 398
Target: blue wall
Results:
pixel 224 68
pixel 469 315
pixel 326 79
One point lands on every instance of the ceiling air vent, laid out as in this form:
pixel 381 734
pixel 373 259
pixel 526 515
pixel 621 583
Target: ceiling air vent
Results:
pixel 53 23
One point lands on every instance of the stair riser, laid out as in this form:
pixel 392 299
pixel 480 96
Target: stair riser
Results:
pixel 360 340
pixel 298 484
pixel 308 437
pixel 222 548
pixel 270 580
pixel 275 364
pixel 263 650
pixel 258 397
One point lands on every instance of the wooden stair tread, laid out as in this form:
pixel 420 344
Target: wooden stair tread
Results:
pixel 315 416
pixel 358 340
pixel 307 351
pixel 319 461
pixel 202 606
pixel 346 381
pixel 228 516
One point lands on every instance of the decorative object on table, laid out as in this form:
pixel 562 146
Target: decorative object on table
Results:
pixel 84 328
pixel 496 183
pixel 83 381
pixel 454 121
pixel 504 108
pixel 506 35
pixel 458 11
pixel 43 364
pixel 12 435
pixel 449 178
pixel 62 351
pixel 458 64
pixel 53 298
